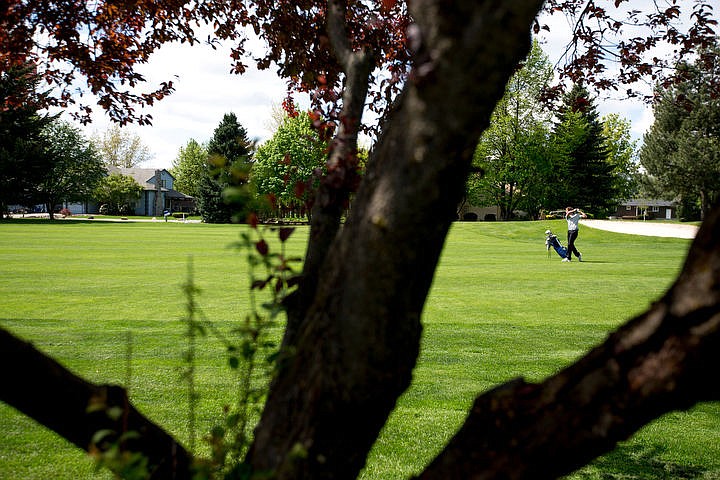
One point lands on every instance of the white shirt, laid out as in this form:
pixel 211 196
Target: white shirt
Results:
pixel 573 220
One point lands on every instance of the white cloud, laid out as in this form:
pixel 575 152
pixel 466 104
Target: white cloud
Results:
pixel 204 92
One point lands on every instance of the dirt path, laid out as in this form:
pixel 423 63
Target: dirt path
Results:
pixel 650 229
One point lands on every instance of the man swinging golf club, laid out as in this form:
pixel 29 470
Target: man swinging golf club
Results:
pixel 573 216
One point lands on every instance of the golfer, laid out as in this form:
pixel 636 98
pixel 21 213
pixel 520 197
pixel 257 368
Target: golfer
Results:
pixel 573 216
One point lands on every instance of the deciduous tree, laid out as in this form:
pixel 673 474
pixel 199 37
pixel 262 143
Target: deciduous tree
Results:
pixel 118 192
pixel 513 149
pixel 189 167
pixel 76 166
pixel 119 147
pixel 289 165
pixel 622 156
pixel 354 323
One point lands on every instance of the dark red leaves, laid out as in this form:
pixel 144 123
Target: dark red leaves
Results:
pixel 300 189
pixel 262 247
pixel 288 105
pixel 260 284
pixel 285 233
pixel 387 5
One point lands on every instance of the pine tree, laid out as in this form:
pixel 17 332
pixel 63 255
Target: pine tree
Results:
pixel 22 163
pixel 681 151
pixel 222 194
pixel 579 136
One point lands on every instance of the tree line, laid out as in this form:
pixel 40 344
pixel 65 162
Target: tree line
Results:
pixel 534 157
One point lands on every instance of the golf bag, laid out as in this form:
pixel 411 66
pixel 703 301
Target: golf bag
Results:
pixel 551 240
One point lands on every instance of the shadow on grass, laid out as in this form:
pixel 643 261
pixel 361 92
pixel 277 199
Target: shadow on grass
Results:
pixel 638 462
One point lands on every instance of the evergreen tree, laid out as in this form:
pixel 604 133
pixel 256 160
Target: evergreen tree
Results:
pixel 681 151
pixel 223 192
pixel 22 164
pixel 579 136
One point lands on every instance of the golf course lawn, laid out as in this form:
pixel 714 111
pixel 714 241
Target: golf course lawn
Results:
pixel 105 299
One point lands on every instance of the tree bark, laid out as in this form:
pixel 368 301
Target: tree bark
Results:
pixel 75 409
pixel 359 340
pixel 342 164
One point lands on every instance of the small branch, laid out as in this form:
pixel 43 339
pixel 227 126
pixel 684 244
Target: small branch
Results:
pixel 342 178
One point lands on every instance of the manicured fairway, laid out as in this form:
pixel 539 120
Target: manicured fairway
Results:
pixel 499 308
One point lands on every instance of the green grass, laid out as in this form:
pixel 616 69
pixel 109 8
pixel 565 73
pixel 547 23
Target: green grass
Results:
pixel 499 308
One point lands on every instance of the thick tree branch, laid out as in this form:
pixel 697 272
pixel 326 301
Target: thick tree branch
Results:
pixel 333 194
pixel 656 363
pixel 358 342
pixel 76 409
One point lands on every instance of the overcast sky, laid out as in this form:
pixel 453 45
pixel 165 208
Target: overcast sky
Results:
pixel 205 91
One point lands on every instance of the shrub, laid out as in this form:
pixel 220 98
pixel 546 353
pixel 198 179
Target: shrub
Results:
pixel 65 212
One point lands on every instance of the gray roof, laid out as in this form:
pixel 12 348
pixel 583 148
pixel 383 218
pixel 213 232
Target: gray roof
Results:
pixel 140 175
pixel 647 202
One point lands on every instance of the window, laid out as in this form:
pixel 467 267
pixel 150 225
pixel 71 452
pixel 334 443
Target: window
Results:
pixel 654 208
pixel 628 208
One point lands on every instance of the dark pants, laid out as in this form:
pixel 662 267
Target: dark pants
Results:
pixel 572 236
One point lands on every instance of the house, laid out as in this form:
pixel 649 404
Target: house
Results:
pixel 158 194
pixel 646 209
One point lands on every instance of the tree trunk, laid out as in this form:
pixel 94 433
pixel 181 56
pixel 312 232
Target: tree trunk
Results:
pixel 359 340
pixel 50 210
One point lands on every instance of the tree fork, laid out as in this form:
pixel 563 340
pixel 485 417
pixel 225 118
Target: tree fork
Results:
pixel 358 342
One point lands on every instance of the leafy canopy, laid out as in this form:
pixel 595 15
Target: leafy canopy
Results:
pixel 118 192
pixel 289 164
pixel 76 166
pixel 681 151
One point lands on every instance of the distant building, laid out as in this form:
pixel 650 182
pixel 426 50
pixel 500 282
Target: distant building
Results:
pixel 650 209
pixel 469 212
pixel 158 194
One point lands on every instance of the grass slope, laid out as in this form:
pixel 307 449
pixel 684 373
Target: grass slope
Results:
pixel 499 308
